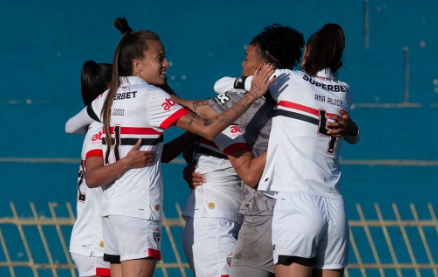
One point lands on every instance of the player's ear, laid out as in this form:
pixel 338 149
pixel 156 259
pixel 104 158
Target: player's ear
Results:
pixel 137 66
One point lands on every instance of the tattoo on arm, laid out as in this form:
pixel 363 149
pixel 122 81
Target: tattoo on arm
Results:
pixel 193 116
pixel 244 162
pixel 198 103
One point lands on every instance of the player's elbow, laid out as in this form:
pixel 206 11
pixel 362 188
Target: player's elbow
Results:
pixel 71 128
pixel 209 132
pixel 91 181
pixel 68 128
pixel 250 180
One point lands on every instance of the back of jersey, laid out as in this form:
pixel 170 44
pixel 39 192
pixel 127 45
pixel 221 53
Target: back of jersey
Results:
pixel 301 155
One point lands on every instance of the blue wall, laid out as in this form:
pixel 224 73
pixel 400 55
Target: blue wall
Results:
pixel 44 44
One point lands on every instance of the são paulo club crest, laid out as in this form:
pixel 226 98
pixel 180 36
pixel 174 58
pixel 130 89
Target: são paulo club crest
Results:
pixel 156 234
pixel 229 258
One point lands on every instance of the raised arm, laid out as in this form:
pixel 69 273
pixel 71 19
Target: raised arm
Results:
pixel 200 107
pixel 209 129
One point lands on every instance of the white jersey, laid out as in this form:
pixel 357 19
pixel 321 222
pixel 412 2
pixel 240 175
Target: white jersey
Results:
pixel 86 237
pixel 301 156
pixel 141 111
pixel 220 196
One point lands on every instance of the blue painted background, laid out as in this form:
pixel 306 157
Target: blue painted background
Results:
pixel 43 45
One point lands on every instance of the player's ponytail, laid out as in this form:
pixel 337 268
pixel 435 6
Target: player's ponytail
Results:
pixel 95 79
pixel 324 49
pixel 132 46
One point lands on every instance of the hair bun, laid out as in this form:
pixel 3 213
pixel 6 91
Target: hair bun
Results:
pixel 122 25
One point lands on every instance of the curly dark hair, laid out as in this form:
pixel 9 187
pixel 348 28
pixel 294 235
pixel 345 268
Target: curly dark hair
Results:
pixel 281 45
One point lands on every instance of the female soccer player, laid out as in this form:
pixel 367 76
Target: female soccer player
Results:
pixel 86 242
pixel 297 167
pixel 310 228
pixel 135 107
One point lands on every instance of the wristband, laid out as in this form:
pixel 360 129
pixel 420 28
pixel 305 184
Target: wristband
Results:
pixel 239 83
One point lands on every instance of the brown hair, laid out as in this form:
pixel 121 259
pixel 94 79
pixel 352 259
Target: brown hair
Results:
pixel 132 46
pixel 324 49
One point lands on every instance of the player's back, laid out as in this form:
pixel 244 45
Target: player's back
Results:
pixel 301 155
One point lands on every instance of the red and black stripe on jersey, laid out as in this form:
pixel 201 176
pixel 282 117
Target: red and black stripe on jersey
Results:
pixel 320 121
pixel 154 137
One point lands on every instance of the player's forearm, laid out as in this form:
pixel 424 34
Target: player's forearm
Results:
pixel 78 123
pixel 175 147
pixel 209 129
pixel 248 168
pixel 199 107
pixel 97 175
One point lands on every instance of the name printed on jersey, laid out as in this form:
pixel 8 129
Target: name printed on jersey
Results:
pixel 118 112
pixel 328 100
pixel 335 88
pixel 125 95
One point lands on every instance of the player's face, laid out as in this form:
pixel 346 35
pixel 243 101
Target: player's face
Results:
pixel 251 61
pixel 152 68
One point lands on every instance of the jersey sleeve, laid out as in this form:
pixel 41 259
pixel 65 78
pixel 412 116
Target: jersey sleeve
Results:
pixel 93 143
pixel 223 102
pixel 244 82
pixel 162 110
pixel 78 123
pixel 231 140
pixel 230 84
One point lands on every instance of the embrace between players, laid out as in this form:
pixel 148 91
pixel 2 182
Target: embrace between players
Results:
pixel 263 160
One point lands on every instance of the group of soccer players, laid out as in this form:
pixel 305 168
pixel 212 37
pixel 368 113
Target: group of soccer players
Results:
pixel 289 222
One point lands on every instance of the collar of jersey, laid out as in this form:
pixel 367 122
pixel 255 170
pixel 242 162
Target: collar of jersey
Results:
pixel 131 80
pixel 326 73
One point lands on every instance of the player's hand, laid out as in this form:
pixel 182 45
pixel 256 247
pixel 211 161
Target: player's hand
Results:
pixel 139 159
pixel 341 125
pixel 192 178
pixel 260 81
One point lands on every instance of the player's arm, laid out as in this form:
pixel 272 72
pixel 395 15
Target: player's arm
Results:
pixel 96 174
pixel 209 129
pixel 79 123
pixel 192 178
pixel 343 125
pixel 200 107
pixel 175 147
pixel 248 168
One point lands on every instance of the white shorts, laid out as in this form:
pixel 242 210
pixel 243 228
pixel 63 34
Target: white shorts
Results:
pixel 131 238
pixel 209 245
pixel 310 230
pixel 91 266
